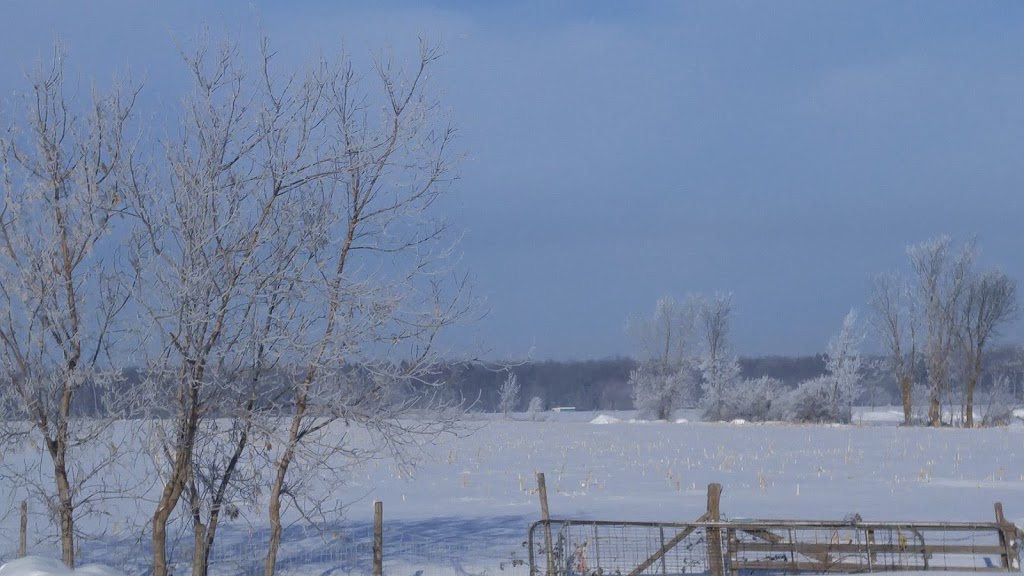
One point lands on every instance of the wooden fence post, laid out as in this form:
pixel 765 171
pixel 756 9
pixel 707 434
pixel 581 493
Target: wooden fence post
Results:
pixel 1005 540
pixel 378 538
pixel 23 543
pixel 714 535
pixel 545 514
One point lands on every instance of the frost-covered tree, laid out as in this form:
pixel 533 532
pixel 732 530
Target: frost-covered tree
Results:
pixel 990 302
pixel 656 394
pixel 719 366
pixel 384 275
pixel 663 381
pixel 896 322
pixel 664 338
pixel 1000 404
pixel 225 219
pixel 947 313
pixel 508 394
pixel 61 153
pixel 830 397
pixel 292 222
pixel 720 378
pixel 536 405
pixel 808 402
pixel 843 364
pixel 753 399
pixel 962 309
pixel 941 279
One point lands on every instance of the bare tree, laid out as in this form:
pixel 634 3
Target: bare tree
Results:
pixel 990 302
pixel 960 310
pixel 941 282
pixel 289 229
pixel 59 287
pixel 663 342
pixel 384 279
pixel 292 225
pixel 219 249
pixel 664 339
pixel 895 320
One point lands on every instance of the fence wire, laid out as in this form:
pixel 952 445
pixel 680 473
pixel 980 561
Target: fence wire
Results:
pixel 242 554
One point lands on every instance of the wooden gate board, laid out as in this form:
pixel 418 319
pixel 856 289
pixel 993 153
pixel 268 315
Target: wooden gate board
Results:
pixel 788 546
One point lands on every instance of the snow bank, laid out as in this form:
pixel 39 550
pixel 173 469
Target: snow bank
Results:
pixel 880 416
pixel 38 566
pixel 602 419
pixel 96 570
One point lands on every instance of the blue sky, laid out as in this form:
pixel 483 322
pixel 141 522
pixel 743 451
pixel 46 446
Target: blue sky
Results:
pixel 783 151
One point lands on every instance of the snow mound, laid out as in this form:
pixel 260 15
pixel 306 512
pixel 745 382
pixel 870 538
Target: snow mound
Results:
pixel 682 421
pixel 882 416
pixel 38 566
pixel 602 419
pixel 1019 413
pixel 97 570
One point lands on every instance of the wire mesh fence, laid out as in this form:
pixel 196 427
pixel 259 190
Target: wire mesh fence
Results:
pixel 588 547
pixel 607 547
pixel 242 554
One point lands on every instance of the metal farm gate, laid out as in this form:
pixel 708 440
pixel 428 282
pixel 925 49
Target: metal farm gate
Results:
pixel 595 547
pixel 566 547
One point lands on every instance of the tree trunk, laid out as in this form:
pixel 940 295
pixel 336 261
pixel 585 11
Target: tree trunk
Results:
pixel 180 471
pixel 664 412
pixel 906 393
pixel 936 380
pixel 168 501
pixel 277 488
pixel 160 540
pixel 58 448
pixel 66 512
pixel 217 505
pixel 935 409
pixel 970 406
pixel 972 383
pixel 201 552
pixel 275 521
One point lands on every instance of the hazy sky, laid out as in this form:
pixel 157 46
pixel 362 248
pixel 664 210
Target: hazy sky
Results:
pixel 619 151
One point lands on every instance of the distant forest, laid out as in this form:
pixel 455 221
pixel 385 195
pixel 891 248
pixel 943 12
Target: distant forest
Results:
pixel 603 384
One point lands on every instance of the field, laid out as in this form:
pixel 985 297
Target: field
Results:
pixel 467 507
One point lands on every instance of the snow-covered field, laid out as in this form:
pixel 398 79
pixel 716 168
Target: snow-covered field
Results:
pixel 467 508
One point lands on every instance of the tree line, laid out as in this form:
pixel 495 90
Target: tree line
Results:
pixel 604 384
pixel 937 322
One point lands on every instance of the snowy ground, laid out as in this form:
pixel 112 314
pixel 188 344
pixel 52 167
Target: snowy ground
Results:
pixel 469 505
